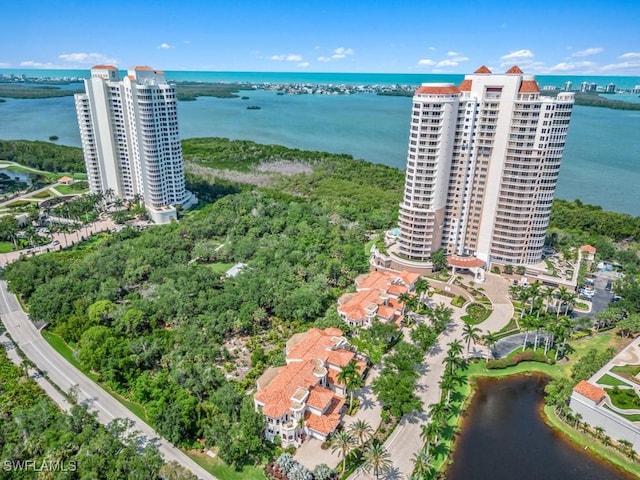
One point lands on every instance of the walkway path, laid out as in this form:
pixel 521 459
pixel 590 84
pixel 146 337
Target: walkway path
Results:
pixel 405 441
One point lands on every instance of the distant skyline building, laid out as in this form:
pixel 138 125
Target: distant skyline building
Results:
pixel 130 139
pixel 482 168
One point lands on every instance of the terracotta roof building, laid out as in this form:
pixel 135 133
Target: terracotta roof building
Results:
pixel 376 297
pixel 304 398
pixel 482 167
pixel 590 391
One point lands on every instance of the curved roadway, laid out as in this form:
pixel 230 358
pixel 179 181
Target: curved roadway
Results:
pixel 67 377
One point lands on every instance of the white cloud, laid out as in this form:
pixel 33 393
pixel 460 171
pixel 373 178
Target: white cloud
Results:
pixel 630 55
pixel 621 66
pixel 572 66
pixel 303 64
pixel 587 52
pixel 165 46
pixel 4 65
pixel 87 58
pixel 291 57
pixel 324 59
pixel 426 62
pixel 432 48
pixel 451 53
pixel 447 63
pixel 32 64
pixel 343 51
pixel 517 55
pixel 460 59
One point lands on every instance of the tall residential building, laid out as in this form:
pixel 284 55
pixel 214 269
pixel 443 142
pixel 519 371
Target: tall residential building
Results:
pixel 130 139
pixel 482 168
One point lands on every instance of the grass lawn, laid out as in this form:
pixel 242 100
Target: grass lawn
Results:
pixel 595 447
pixel 68 353
pixel 628 369
pixel 220 268
pixel 73 189
pixel 6 247
pixel 41 195
pixel 613 381
pixel 223 471
pixel 476 313
pixel 632 417
pixel 18 203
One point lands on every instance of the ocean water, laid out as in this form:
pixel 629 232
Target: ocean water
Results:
pixel 601 164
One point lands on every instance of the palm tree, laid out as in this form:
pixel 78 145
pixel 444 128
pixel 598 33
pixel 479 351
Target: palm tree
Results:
pixel 578 418
pixel 599 431
pixel 455 347
pixel 429 432
pixel 491 339
pixel 526 322
pixel 342 442
pixel 533 291
pixel 422 464
pixel 421 287
pixel 446 384
pixel 470 333
pixel 376 460
pixel 350 376
pixel 361 432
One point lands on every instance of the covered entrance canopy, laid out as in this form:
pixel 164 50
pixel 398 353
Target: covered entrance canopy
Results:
pixel 468 262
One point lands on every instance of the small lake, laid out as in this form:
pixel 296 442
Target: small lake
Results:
pixel 504 438
pixel 23 177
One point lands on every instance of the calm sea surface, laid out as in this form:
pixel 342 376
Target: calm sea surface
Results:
pixel 504 438
pixel 601 163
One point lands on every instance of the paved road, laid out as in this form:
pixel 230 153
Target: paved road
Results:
pixel 405 441
pixel 66 376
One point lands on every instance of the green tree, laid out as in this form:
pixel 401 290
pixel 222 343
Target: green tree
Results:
pixel 376 460
pixel 361 432
pixel 342 443
pixel 470 333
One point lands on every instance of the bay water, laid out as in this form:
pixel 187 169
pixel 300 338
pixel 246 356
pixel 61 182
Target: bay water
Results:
pixel 601 163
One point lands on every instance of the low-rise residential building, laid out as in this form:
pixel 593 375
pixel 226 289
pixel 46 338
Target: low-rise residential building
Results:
pixel 304 398
pixel 591 400
pixel 376 297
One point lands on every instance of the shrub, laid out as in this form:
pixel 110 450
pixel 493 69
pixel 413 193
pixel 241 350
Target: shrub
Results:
pixel 512 360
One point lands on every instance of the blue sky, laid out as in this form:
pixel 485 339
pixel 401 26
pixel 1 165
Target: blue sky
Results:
pixel 543 37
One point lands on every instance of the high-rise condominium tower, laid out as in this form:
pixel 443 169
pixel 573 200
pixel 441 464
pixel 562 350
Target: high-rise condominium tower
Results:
pixel 129 131
pixel 482 168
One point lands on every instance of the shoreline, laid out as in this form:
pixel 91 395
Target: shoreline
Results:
pixel 545 412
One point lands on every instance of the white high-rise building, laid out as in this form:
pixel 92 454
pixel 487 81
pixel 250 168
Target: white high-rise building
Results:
pixel 130 139
pixel 482 169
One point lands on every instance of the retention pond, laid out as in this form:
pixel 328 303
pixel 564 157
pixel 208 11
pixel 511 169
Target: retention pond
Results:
pixel 504 437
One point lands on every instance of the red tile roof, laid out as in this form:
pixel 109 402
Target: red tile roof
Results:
pixel 465 86
pixel 319 397
pixel 316 344
pixel 588 248
pixel 438 90
pixel 340 358
pixel 465 262
pixel 327 423
pixel 590 391
pixel 482 69
pixel 143 67
pixel 529 86
pixel 276 396
pixel 514 69
pixel 302 361
pixel 103 67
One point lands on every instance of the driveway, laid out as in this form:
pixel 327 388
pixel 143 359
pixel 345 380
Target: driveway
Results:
pixel 310 454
